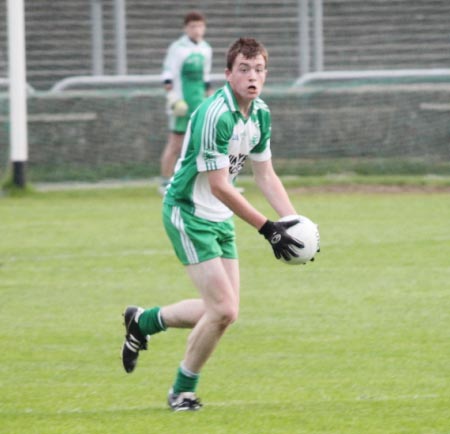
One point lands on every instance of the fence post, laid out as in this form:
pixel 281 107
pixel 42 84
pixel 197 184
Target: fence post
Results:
pixel 303 34
pixel 318 35
pixel 97 37
pixel 120 37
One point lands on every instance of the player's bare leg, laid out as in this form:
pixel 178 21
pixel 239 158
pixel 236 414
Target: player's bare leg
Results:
pixel 140 324
pixel 184 314
pixel 218 283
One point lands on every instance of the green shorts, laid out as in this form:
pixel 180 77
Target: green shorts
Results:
pixel 197 240
pixel 178 124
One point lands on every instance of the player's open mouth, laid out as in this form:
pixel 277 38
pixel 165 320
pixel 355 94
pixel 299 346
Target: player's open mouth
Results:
pixel 252 87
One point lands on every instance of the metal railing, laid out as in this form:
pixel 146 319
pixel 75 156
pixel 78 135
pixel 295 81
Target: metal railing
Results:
pixel 4 82
pixel 354 75
pixel 114 80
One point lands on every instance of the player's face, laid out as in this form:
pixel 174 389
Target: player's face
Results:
pixel 247 77
pixel 195 30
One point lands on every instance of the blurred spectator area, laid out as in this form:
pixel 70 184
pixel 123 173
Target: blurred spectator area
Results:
pixel 358 35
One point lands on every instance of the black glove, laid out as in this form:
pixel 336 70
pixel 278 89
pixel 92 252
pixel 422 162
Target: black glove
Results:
pixel 279 239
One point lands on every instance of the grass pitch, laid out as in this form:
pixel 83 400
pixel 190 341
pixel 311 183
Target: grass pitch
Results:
pixel 357 342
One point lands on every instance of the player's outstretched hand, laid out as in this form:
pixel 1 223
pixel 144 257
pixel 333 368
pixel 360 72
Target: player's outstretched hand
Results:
pixel 171 99
pixel 279 239
pixel 177 106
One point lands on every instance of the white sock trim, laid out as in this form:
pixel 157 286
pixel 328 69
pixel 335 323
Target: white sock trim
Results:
pixel 187 372
pixel 161 321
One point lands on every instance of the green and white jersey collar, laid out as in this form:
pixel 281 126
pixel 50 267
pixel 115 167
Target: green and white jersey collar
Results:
pixel 231 101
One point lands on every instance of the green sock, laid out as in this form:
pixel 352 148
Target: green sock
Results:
pixel 186 381
pixel 151 322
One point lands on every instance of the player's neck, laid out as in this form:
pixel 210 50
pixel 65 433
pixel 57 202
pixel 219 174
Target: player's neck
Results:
pixel 194 41
pixel 245 111
pixel 245 107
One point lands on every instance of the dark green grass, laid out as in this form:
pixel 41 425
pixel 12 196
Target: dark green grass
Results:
pixel 357 342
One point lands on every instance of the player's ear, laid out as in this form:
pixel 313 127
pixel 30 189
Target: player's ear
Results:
pixel 227 73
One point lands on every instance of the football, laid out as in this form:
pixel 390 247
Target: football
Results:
pixel 306 232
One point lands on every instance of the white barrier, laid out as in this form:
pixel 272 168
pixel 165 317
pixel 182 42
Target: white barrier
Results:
pixel 353 75
pixel 68 82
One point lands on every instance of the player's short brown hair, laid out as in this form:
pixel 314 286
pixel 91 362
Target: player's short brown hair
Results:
pixel 249 48
pixel 194 16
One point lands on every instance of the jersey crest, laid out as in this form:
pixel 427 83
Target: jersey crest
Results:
pixel 236 163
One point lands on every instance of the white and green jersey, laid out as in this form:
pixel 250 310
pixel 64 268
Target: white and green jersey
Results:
pixel 218 136
pixel 188 66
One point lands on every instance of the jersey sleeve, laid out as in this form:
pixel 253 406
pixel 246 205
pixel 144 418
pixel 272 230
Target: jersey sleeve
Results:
pixel 262 152
pixel 214 142
pixel 170 65
pixel 207 65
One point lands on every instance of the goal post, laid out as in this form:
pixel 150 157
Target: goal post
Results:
pixel 17 92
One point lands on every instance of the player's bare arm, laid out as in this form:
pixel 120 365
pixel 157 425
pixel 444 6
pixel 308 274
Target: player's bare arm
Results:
pixel 272 188
pixel 274 232
pixel 227 194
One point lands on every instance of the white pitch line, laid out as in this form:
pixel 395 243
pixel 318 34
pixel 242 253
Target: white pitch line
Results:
pixel 66 256
pixel 231 403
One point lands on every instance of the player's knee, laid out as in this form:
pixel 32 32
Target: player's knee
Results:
pixel 228 315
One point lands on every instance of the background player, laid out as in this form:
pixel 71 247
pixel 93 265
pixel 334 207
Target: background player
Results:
pixel 228 127
pixel 186 76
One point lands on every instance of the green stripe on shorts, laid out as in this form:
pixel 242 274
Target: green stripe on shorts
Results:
pixel 197 240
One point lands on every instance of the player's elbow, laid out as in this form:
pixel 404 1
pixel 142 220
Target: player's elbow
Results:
pixel 220 186
pixel 218 190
